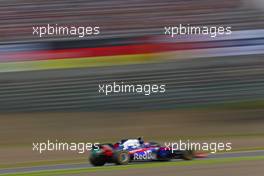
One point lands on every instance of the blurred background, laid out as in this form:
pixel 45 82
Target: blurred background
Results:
pixel 49 85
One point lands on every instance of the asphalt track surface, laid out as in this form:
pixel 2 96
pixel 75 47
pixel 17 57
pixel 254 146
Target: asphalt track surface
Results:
pixel 87 165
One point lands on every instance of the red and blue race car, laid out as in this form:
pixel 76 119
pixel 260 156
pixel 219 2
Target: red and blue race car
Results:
pixel 127 150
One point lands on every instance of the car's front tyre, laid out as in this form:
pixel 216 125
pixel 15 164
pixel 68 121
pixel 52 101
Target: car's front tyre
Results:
pixel 187 155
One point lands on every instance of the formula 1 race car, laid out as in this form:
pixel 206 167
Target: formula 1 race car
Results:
pixel 129 150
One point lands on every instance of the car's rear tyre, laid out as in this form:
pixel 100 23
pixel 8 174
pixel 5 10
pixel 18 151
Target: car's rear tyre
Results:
pixel 97 160
pixel 187 155
pixel 121 157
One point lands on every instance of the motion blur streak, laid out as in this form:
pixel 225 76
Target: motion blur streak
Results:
pixel 191 82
